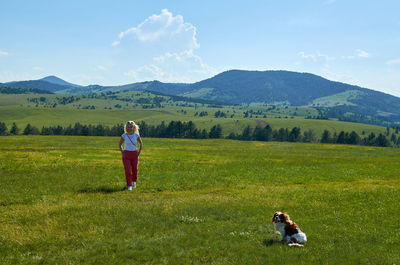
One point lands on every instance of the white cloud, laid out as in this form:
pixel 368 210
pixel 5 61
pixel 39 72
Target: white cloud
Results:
pixel 3 53
pixel 162 26
pixel 394 61
pixel 115 43
pixel 358 54
pixel 362 54
pixel 162 47
pixel 317 56
pixel 101 67
pixel 184 67
pixel 37 68
pixel 146 73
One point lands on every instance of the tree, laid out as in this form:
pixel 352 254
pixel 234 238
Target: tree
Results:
pixel 232 136
pixel 381 140
pixel 216 131
pixel 281 135
pixel 3 129
pixel 203 134
pixel 341 139
pixel 309 136
pixel 354 138
pixel 246 134
pixel 29 129
pixel 257 134
pixel 14 129
pixel 326 137
pixel 398 141
pixel 393 138
pixel 190 130
pixel 295 135
pixel 262 134
pixel 370 140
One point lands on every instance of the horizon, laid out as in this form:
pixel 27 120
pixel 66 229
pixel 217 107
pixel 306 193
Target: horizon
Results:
pixel 105 85
pixel 111 44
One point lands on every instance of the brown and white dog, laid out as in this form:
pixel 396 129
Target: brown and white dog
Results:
pixel 290 231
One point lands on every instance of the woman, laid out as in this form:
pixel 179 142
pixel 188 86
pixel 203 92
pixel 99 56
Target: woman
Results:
pixel 130 153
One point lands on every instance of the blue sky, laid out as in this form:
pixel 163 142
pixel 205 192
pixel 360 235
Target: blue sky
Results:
pixel 120 42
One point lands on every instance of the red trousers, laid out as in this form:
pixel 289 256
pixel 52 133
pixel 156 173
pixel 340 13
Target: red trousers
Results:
pixel 131 164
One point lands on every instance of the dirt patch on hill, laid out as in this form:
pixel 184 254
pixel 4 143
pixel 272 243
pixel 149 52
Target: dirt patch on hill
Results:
pixel 261 123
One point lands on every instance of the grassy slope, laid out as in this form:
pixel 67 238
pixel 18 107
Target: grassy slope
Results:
pixel 204 201
pixel 338 99
pixel 66 116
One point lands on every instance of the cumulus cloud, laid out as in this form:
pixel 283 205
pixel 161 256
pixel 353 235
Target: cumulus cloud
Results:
pixel 317 56
pixel 101 67
pixel 162 47
pixel 358 54
pixel 164 26
pixel 37 68
pixel 394 61
pixel 146 72
pixel 115 43
pixel 3 53
pixel 363 54
pixel 182 67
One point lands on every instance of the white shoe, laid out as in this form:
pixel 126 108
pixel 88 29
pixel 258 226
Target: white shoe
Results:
pixel 129 187
pixel 134 185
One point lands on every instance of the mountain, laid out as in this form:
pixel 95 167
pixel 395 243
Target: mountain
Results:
pixel 297 89
pixel 49 83
pixel 237 86
pixel 37 84
pixel 246 87
pixel 14 90
pixel 58 81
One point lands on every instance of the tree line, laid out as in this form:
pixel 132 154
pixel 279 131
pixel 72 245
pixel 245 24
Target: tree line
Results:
pixel 179 129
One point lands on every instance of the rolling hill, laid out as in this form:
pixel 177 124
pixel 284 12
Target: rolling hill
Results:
pixel 36 84
pixel 55 80
pixel 257 87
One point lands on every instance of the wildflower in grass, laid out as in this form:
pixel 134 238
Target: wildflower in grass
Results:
pixel 190 219
pixel 245 233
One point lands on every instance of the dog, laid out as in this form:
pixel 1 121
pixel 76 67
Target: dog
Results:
pixel 290 231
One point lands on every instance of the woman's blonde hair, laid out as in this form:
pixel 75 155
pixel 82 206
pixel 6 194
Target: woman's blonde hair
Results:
pixel 132 123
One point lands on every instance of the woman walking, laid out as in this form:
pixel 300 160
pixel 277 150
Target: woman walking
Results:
pixel 130 153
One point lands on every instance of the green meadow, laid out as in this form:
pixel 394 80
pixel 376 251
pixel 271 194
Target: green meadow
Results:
pixel 62 201
pixel 29 108
pixel 69 116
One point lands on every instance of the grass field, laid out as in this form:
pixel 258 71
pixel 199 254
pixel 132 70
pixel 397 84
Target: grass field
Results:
pixel 69 116
pixel 19 109
pixel 198 201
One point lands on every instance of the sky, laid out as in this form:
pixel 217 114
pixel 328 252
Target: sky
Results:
pixel 120 42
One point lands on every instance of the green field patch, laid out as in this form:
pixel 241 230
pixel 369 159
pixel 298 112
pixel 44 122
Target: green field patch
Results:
pixel 339 99
pixel 200 93
pixel 197 201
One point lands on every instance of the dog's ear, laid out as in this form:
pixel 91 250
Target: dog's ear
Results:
pixel 286 217
pixel 273 217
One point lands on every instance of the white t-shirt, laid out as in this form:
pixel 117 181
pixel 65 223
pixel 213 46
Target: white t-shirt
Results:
pixel 130 141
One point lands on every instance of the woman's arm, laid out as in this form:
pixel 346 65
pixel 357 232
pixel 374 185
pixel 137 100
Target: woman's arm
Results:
pixel 121 141
pixel 140 145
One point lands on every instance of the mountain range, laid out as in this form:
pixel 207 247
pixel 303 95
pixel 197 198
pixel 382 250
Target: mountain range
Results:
pixel 249 87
